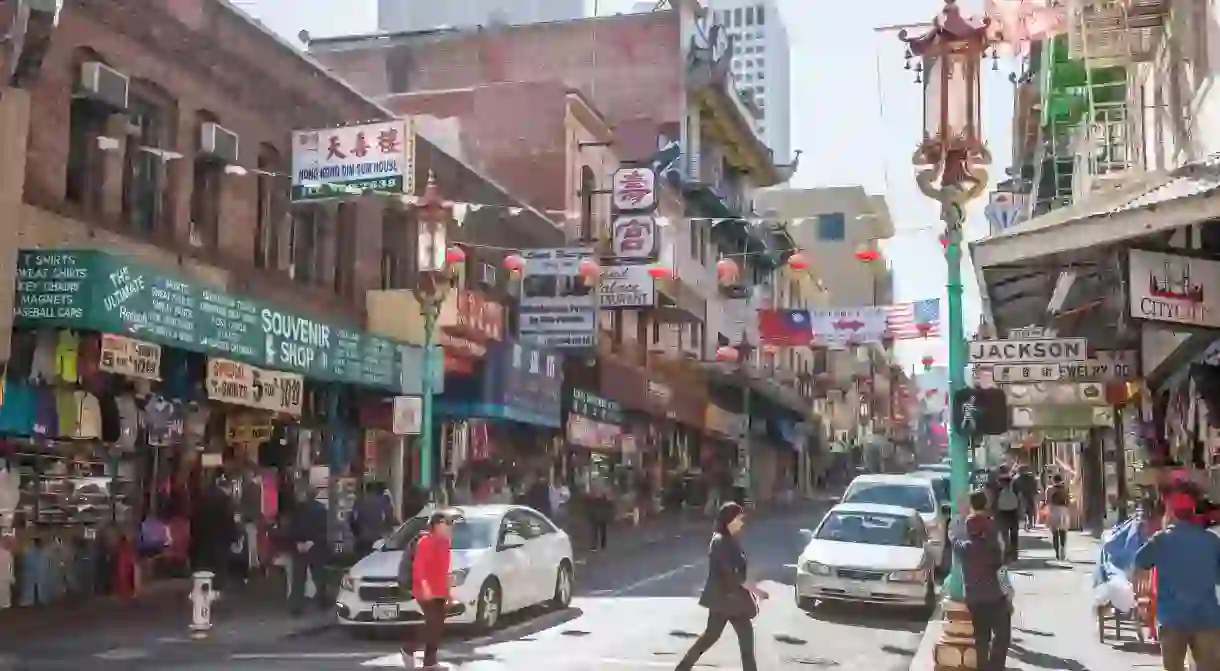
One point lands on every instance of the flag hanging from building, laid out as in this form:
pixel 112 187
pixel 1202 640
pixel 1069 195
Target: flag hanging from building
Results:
pixel 917 319
pixel 784 328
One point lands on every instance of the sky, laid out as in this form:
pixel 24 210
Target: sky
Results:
pixel 856 114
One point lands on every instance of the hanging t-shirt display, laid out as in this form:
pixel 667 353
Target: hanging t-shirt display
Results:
pixel 164 421
pixel 88 424
pixel 66 347
pixel 66 408
pixel 42 366
pixel 129 421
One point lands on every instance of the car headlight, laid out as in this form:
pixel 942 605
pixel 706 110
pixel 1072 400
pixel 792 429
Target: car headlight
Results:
pixel 817 569
pixel 458 578
pixel 346 583
pixel 907 576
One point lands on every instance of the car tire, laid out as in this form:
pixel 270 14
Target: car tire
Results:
pixel 487 609
pixel 564 586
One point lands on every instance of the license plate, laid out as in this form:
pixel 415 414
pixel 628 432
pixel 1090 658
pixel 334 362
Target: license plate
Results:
pixel 385 611
pixel 857 589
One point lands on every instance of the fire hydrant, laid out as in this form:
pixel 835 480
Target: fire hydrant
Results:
pixel 202 596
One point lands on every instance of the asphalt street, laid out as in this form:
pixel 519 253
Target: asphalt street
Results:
pixel 632 612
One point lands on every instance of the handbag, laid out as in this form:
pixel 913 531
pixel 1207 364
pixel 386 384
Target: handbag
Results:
pixel 746 604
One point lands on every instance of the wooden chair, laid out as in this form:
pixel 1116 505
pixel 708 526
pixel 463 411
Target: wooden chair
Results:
pixel 1145 604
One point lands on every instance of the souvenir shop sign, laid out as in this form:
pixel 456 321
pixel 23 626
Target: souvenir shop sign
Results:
pixel 130 357
pixel 94 290
pixel 591 405
pixel 242 384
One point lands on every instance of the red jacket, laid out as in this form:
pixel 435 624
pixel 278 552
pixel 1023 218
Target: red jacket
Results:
pixel 431 563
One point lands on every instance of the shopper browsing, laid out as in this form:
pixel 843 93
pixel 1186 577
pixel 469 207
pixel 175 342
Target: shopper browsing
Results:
pixel 982 557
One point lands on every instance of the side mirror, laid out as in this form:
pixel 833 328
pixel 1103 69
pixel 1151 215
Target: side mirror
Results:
pixel 379 545
pixel 512 540
pixel 806 535
pixel 946 510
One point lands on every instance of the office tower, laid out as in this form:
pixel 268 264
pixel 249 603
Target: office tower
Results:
pixel 761 64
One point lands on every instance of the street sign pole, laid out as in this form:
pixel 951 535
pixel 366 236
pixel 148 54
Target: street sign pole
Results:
pixel 959 444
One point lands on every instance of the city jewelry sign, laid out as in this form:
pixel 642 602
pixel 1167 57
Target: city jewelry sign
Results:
pixel 1174 288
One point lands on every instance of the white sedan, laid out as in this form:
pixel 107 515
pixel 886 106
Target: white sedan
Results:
pixel 505 558
pixel 869 553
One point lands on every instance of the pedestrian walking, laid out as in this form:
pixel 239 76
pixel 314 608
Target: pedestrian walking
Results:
pixel 372 517
pixel 1058 515
pixel 307 548
pixel 1027 489
pixel 1187 561
pixel 600 509
pixel 982 558
pixel 430 583
pixel 1008 515
pixel 727 595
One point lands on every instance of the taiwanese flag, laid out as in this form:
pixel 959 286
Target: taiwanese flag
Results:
pixel 785 328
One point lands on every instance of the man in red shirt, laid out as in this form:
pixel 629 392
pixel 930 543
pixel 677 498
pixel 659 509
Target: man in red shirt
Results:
pixel 430 580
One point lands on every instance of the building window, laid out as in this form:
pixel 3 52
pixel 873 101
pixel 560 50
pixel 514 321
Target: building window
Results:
pixel 305 243
pixel 393 248
pixel 749 16
pixel 205 192
pixel 86 159
pixel 762 62
pixel 760 15
pixel 270 208
pixel 588 184
pixel 737 51
pixel 832 226
pixel 737 17
pixel 144 165
pixel 345 249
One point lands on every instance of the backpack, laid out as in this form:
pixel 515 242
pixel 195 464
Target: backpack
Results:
pixel 406 566
pixel 1008 498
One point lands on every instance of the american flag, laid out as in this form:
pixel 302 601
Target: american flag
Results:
pixel 903 319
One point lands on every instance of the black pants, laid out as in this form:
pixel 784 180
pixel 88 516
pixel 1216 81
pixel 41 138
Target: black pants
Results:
pixel 1059 538
pixel 601 529
pixel 1010 526
pixel 992 633
pixel 304 563
pixel 715 627
pixel 433 629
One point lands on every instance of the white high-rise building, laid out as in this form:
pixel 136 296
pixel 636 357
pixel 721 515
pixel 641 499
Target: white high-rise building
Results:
pixel 403 15
pixel 761 64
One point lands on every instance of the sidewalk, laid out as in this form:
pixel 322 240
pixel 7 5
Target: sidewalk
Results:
pixel 1054 626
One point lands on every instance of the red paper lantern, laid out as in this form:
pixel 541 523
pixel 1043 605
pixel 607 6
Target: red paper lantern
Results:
pixel 513 263
pixel 944 241
pixel 589 270
pixel 927 362
pixel 660 272
pixel 727 354
pixel 727 271
pixel 867 254
pixel 798 261
pixel 454 256
pixel 923 329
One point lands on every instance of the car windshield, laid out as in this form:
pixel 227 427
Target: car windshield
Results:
pixel 869 529
pixel 470 533
pixel 933 468
pixel 903 496
pixel 941 487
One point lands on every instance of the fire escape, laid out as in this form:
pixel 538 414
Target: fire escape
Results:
pixel 1090 136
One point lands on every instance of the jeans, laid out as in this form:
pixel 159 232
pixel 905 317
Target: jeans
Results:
pixel 434 627
pixel 992 624
pixel 601 529
pixel 303 564
pixel 1059 538
pixel 1203 646
pixel 1010 529
pixel 715 627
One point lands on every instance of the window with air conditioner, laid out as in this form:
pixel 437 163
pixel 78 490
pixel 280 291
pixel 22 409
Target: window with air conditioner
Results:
pixel 271 208
pixel 145 162
pixel 87 144
pixel 308 235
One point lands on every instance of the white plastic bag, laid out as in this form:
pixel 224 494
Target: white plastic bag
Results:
pixel 1117 591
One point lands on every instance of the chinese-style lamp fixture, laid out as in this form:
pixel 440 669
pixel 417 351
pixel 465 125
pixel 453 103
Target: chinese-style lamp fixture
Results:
pixel 513 263
pixel 660 273
pixel 950 55
pixel 589 271
pixel 727 354
pixel 798 262
pixel 867 254
pixel 455 256
pixel 727 271
pixel 927 362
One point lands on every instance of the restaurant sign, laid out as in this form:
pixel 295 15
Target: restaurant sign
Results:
pixel 94 290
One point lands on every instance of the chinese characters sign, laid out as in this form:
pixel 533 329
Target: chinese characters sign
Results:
pixel 634 189
pixel 333 162
pixel 93 290
pixel 634 238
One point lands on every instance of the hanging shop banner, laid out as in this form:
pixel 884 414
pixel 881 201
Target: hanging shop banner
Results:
pixel 242 384
pixel 1062 416
pixel 1174 289
pixel 408 415
pixel 588 433
pixel 840 326
pixel 557 308
pixel 634 189
pixel 93 290
pixel 634 238
pixel 524 384
pixel 474 316
pixel 594 407
pixel 368 157
pixel 130 357
pixel 627 287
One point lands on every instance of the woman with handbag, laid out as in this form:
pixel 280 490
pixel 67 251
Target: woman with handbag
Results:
pixel 727 596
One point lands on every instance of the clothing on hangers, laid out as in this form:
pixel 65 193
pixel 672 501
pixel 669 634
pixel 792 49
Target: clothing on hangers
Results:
pixel 42 368
pixel 35 575
pixel 8 576
pixel 66 347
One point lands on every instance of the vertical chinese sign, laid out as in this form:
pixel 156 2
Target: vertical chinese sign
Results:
pixel 350 160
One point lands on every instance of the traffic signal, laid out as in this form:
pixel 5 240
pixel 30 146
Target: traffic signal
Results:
pixel 980 412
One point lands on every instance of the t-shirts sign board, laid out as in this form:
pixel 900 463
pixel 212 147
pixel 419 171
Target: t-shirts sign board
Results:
pixel 250 386
pixel 94 290
pixel 130 357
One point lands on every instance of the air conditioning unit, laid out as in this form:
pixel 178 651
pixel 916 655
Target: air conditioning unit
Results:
pixel 487 275
pixel 103 84
pixel 219 142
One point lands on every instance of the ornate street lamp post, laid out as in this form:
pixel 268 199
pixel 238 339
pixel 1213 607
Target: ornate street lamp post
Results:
pixel 949 160
pixel 437 265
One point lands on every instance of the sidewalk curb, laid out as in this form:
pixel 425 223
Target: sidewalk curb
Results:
pixel 925 654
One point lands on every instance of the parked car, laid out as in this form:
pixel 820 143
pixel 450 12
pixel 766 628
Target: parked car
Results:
pixel 940 485
pixel 870 553
pixel 505 558
pixel 934 468
pixel 905 491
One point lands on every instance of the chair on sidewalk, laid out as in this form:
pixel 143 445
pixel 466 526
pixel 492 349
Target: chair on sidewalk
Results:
pixel 1145 604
